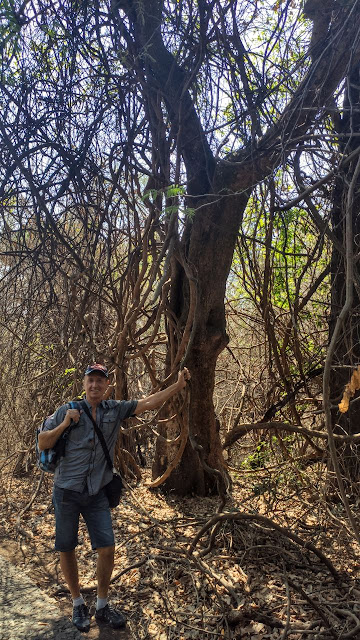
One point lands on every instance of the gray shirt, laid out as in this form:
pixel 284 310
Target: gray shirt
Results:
pixel 84 464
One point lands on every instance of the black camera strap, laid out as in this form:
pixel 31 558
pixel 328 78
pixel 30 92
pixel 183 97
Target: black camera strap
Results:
pixel 98 433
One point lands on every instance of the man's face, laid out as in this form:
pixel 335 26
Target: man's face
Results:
pixel 95 385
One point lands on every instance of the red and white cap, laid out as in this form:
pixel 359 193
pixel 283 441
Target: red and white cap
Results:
pixel 96 367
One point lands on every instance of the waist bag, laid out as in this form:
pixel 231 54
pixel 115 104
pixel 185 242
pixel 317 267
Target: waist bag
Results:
pixel 114 488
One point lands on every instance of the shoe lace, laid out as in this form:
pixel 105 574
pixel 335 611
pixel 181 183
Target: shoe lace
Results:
pixel 81 610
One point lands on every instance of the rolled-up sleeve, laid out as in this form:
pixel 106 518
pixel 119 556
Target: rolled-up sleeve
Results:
pixel 55 419
pixel 126 409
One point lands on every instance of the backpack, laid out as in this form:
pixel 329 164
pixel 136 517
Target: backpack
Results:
pixel 48 459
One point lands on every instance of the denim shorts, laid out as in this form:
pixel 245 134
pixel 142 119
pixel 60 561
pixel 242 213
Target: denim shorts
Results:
pixel 95 511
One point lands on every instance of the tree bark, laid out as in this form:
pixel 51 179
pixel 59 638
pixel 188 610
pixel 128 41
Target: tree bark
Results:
pixel 347 354
pixel 209 253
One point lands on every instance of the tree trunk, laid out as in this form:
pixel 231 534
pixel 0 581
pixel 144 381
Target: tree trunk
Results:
pixel 203 247
pixel 347 356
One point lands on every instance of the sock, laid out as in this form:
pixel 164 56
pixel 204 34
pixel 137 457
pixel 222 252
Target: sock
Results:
pixel 77 601
pixel 100 603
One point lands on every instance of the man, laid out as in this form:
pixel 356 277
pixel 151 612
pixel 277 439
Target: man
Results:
pixel 79 482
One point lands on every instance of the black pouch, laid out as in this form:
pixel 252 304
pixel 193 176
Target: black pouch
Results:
pixel 113 490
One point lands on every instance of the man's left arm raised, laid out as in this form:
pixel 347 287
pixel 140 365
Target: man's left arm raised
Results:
pixel 157 399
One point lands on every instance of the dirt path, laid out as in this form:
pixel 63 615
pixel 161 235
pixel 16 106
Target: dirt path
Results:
pixel 27 613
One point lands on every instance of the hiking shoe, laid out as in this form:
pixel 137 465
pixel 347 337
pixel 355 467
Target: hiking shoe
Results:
pixel 81 618
pixel 110 616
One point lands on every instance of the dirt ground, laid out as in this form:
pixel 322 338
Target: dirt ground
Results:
pixel 252 575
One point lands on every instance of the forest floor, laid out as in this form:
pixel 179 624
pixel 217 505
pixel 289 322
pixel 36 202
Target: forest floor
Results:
pixel 246 578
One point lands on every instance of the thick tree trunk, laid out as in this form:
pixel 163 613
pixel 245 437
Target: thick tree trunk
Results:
pixel 203 248
pixel 347 355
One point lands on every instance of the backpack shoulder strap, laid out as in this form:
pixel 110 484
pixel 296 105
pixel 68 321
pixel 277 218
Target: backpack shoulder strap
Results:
pixel 74 404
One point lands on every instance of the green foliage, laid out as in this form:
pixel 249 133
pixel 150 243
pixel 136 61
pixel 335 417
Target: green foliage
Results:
pixel 10 25
pixel 280 256
pixel 172 200
pixel 69 371
pixel 258 458
pixel 272 487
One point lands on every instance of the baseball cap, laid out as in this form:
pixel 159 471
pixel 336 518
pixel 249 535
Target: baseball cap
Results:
pixel 97 367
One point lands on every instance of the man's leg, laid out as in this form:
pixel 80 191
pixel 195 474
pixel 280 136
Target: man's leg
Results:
pixel 67 511
pixel 69 567
pixel 104 569
pixel 104 613
pixel 98 519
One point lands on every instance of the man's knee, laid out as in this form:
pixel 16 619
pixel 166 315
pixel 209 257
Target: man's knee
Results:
pixel 68 555
pixel 106 552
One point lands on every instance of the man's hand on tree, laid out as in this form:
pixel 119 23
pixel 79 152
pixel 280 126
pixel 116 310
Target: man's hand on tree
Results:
pixel 183 376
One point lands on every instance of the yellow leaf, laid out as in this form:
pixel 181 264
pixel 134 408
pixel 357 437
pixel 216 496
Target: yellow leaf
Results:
pixel 354 382
pixel 349 391
pixel 344 404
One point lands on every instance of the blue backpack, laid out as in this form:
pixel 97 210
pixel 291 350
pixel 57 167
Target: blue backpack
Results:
pixel 48 459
